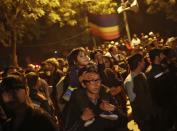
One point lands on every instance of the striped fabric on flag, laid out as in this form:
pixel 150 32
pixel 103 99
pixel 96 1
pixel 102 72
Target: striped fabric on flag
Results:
pixel 104 26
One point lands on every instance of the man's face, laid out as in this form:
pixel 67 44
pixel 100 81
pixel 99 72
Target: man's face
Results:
pixel 142 65
pixel 92 82
pixel 134 35
pixel 160 58
pixel 107 62
pixel 114 51
pixel 14 98
pixel 50 67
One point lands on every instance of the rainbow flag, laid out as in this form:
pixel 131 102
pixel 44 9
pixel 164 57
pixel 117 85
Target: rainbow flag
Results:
pixel 104 26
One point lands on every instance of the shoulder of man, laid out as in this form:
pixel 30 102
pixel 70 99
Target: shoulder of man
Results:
pixel 141 76
pixel 79 94
pixel 128 79
pixel 40 120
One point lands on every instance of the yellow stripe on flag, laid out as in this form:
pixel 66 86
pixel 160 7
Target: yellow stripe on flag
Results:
pixel 105 29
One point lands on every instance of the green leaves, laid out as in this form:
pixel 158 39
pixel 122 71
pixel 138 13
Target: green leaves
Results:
pixel 4 35
pixel 102 7
pixel 23 15
pixel 169 8
pixel 54 17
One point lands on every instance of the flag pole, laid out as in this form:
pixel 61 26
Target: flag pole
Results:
pixel 127 25
pixel 123 9
pixel 94 41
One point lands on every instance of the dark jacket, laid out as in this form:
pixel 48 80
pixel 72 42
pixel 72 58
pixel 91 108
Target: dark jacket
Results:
pixel 110 78
pixel 142 105
pixel 161 84
pixel 34 120
pixel 78 102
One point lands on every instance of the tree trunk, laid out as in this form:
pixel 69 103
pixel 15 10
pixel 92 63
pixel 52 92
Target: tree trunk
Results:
pixel 14 48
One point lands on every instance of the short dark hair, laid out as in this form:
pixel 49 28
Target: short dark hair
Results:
pixel 111 48
pixel 153 53
pixel 88 69
pixel 169 52
pixel 93 53
pixel 13 82
pixel 32 79
pixel 134 60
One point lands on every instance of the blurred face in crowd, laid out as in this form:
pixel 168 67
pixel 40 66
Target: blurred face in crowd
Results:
pixel 13 99
pixel 142 34
pixel 142 64
pixel 50 67
pixel 102 46
pixel 61 63
pixel 82 59
pixel 134 35
pixel 107 63
pixel 114 51
pixel 159 58
pixel 31 67
pixel 12 70
pixel 45 66
pixel 92 82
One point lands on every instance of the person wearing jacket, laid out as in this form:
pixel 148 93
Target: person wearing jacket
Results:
pixel 87 104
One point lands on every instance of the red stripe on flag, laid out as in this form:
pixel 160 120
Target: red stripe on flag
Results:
pixel 106 36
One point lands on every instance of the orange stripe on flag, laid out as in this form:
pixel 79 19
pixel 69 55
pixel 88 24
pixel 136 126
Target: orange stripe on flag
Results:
pixel 107 33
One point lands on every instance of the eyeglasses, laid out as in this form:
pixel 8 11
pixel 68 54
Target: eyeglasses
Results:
pixel 91 81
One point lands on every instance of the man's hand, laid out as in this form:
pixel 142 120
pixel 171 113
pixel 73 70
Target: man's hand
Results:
pixel 87 114
pixel 115 91
pixel 106 106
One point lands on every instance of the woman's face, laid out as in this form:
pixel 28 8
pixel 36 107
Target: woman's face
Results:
pixel 82 59
pixel 107 63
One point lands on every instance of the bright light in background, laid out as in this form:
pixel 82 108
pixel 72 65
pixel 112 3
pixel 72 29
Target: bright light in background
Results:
pixel 94 0
pixel 149 1
pixel 109 45
pixel 116 43
pixel 55 52
pixel 172 1
pixel 112 42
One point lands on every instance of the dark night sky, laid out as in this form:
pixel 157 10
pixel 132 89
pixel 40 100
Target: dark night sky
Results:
pixel 142 22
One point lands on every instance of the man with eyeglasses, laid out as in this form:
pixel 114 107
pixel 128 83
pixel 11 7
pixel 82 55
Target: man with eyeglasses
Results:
pixel 87 104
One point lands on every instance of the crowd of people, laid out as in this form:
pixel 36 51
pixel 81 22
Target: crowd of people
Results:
pixel 89 89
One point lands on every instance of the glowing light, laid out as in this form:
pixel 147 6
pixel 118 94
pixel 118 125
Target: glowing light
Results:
pixel 112 42
pixel 116 43
pixel 55 51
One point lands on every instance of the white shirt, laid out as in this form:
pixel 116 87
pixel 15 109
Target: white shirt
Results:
pixel 135 42
pixel 128 85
